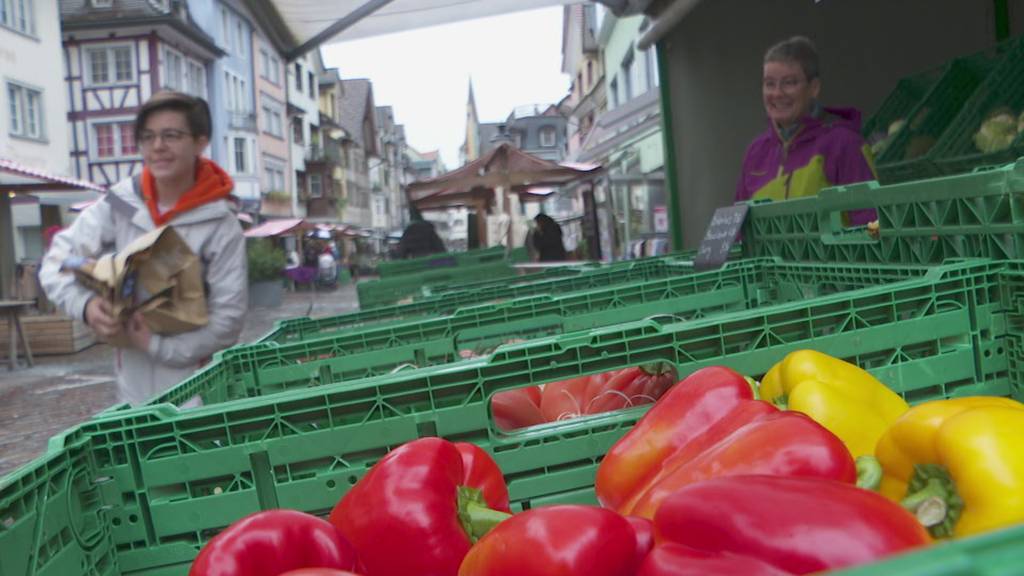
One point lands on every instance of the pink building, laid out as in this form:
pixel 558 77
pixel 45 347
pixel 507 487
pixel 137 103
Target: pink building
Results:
pixel 272 118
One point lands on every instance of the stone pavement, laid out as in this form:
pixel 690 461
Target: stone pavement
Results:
pixel 62 391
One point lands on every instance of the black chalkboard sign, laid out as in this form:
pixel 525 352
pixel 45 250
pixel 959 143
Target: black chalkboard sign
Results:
pixel 722 231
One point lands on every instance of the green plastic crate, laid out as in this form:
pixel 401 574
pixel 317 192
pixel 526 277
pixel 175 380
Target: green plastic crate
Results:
pixel 391 290
pixel 156 483
pixel 260 370
pixel 956 151
pixel 911 153
pixel 584 279
pixel 392 268
pixel 929 221
pixel 900 103
pixel 993 554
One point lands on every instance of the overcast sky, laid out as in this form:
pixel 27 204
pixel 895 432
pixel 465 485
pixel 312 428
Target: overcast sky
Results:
pixel 424 74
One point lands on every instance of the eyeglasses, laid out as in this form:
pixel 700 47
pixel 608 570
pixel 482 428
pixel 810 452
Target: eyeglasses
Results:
pixel 147 139
pixel 786 84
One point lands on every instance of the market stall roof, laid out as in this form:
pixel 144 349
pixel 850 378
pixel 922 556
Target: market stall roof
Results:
pixel 17 177
pixel 297 26
pixel 277 228
pixel 505 166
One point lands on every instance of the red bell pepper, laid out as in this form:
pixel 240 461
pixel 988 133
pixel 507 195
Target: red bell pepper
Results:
pixel 517 408
pixel 644 530
pixel 320 572
pixel 755 438
pixel 480 471
pixel 417 511
pixel 800 525
pixel 679 417
pixel 272 542
pixel 672 559
pixel 605 392
pixel 565 540
pixel 709 425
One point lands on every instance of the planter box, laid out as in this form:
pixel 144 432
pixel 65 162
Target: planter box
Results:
pixel 266 294
pixel 50 334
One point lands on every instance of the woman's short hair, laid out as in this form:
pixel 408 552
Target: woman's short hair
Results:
pixel 195 109
pixel 798 49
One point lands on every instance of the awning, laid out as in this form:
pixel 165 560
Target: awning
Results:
pixel 277 228
pixel 297 26
pixel 17 177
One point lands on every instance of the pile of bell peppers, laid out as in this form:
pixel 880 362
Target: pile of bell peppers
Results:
pixel 716 478
pixel 582 396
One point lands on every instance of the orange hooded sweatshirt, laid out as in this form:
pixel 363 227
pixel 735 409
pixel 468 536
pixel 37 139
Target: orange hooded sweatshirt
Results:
pixel 212 183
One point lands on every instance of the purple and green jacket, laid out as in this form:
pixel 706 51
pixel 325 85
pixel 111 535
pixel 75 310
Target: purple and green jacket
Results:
pixel 826 149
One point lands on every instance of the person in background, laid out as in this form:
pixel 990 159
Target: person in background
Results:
pixel 179 188
pixel 807 146
pixel 419 238
pixel 547 239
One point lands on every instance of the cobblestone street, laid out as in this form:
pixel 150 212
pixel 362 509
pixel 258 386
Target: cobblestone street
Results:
pixel 62 391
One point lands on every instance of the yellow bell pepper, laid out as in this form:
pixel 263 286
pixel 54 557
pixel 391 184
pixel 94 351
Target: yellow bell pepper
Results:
pixel 840 396
pixel 958 464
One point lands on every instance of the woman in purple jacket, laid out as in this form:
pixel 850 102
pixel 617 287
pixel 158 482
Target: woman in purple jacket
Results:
pixel 807 147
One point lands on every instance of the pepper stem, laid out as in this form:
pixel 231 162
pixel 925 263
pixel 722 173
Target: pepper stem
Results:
pixel 932 497
pixel 781 402
pixel 755 387
pixel 657 368
pixel 474 515
pixel 869 473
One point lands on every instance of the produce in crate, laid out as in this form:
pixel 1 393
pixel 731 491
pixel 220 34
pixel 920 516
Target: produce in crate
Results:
pixel 274 542
pixel 568 540
pixel 420 508
pixel 709 426
pixel 997 132
pixel 798 525
pixel 581 396
pixel 840 396
pixel 879 145
pixel 957 464
pixel 320 572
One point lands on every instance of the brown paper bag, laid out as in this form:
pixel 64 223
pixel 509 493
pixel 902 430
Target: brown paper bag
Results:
pixel 157 275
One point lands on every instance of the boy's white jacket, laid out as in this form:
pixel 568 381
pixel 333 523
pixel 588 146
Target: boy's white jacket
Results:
pixel 211 230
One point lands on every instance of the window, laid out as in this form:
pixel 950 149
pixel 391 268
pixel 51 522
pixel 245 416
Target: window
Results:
pixel 18 15
pixel 548 137
pixel 239 38
pixel 273 174
pixel 114 139
pixel 275 70
pixel 104 140
pixel 312 85
pixel 196 79
pixel 128 145
pixel 26 112
pixel 173 74
pixel 590 71
pixel 241 164
pixel 298 77
pixel 627 77
pixel 264 63
pixel 102 3
pixel 316 186
pixel 297 131
pixel 225 28
pixel 272 114
pixel 109 65
pixel 613 89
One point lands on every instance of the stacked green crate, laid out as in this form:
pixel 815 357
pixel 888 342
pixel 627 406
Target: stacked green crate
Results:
pixel 260 370
pixel 509 289
pixel 989 130
pixel 924 222
pixel 909 154
pixel 392 268
pixel 140 491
